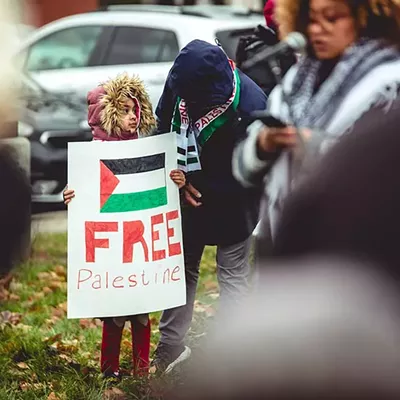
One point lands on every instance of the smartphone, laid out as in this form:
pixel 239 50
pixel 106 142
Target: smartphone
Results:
pixel 268 119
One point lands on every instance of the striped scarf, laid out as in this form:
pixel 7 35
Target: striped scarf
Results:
pixel 315 110
pixel 191 137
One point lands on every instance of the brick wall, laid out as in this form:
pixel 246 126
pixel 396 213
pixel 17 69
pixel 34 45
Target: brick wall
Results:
pixel 50 10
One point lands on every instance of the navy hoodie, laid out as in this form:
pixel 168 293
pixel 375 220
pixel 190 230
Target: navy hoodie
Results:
pixel 202 75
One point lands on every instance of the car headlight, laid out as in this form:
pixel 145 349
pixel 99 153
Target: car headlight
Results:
pixel 24 129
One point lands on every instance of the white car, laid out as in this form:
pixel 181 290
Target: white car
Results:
pixel 76 53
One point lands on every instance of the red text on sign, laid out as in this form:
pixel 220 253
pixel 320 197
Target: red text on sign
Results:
pixel 134 235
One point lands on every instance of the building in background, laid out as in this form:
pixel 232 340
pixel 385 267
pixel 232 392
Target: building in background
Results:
pixel 44 11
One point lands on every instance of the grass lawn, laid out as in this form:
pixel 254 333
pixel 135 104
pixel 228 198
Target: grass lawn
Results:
pixel 43 355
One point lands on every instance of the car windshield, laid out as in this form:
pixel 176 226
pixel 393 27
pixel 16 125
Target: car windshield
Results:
pixel 229 39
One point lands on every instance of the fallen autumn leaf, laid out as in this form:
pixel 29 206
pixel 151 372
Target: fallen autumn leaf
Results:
pixel 23 365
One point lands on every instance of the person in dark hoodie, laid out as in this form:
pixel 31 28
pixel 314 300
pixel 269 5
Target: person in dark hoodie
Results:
pixel 208 102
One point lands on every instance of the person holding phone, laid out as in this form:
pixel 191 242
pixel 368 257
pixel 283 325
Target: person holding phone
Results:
pixel 352 64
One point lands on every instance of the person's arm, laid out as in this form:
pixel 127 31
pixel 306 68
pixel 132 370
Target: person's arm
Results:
pixel 68 195
pixel 178 178
pixel 253 157
pixel 261 146
pixel 247 166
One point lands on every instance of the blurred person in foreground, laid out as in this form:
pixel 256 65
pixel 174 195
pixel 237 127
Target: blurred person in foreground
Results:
pixel 208 102
pixel 15 197
pixel 352 65
pixel 15 210
pixel 350 203
pixel 9 73
pixel 319 328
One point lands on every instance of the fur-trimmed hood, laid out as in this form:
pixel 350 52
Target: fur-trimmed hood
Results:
pixel 106 107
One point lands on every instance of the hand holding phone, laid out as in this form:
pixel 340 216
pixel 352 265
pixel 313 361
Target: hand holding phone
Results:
pixel 271 141
pixel 268 120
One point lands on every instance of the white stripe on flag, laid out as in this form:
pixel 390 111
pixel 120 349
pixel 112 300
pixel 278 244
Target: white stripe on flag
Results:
pixel 140 182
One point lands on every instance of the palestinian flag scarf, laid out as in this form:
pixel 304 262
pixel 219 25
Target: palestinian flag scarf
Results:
pixel 191 136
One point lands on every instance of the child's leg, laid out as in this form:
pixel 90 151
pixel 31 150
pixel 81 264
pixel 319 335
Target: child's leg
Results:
pixel 140 346
pixel 110 346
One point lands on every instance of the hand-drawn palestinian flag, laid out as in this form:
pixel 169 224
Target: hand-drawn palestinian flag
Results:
pixel 132 184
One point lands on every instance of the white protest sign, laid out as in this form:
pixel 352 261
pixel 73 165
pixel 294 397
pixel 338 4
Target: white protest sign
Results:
pixel 125 251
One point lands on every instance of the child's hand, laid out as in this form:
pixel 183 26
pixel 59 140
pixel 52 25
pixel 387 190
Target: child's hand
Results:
pixel 68 195
pixel 178 177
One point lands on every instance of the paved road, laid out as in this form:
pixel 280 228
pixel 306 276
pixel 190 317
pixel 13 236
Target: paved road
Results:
pixel 50 222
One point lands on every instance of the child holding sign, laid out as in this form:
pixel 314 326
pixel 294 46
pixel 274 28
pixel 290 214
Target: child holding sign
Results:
pixel 120 109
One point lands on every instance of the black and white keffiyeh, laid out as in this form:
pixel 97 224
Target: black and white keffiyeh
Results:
pixel 315 109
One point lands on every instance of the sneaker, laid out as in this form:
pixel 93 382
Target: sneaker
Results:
pixel 167 357
pixel 112 376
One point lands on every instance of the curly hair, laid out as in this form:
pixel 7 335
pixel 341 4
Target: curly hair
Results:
pixel 375 18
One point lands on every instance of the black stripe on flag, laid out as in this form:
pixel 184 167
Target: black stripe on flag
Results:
pixel 192 160
pixel 135 165
pixel 181 151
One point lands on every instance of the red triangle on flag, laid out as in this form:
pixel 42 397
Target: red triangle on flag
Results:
pixel 108 182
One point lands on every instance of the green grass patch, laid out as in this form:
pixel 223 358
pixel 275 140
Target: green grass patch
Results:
pixel 43 355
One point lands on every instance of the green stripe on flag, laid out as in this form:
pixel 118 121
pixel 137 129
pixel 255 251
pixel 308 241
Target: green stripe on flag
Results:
pixel 136 201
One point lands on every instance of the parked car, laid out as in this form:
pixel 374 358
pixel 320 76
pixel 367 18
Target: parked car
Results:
pixel 199 10
pixel 50 121
pixel 75 53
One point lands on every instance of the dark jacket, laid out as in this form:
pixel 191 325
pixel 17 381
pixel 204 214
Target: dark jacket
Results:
pixel 351 204
pixel 249 46
pixel 202 75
